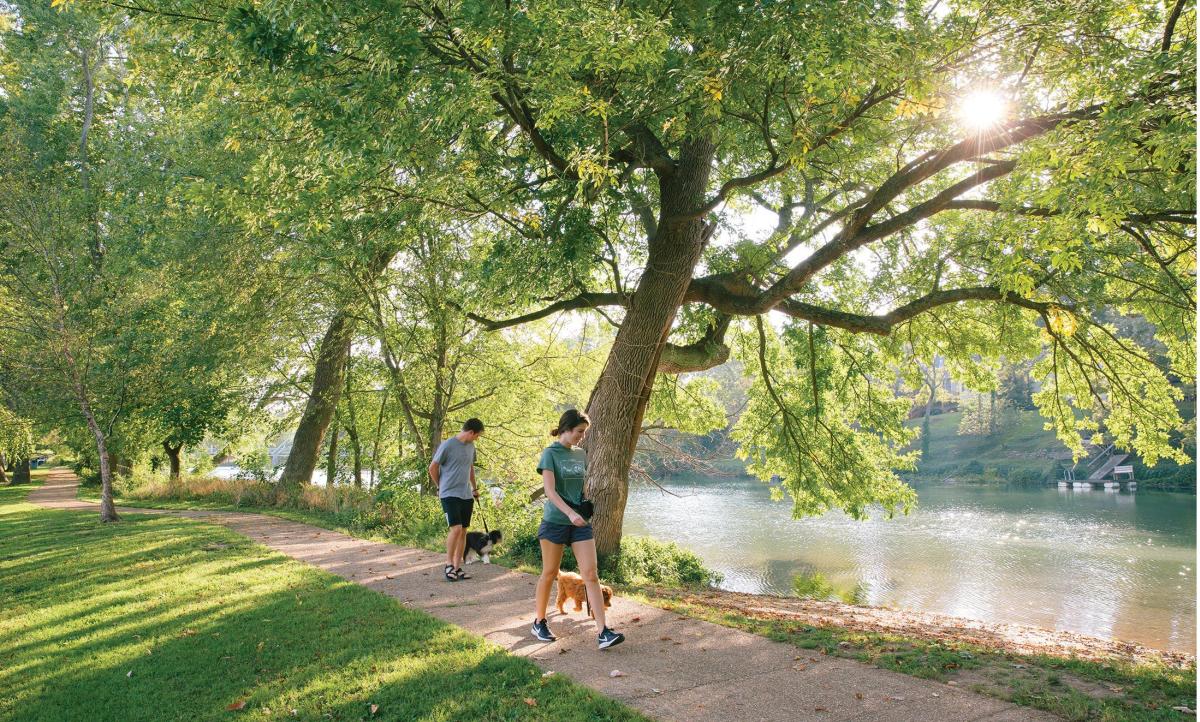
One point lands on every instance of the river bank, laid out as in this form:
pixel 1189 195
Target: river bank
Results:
pixel 930 627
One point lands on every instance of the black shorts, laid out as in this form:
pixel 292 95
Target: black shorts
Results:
pixel 458 511
pixel 564 533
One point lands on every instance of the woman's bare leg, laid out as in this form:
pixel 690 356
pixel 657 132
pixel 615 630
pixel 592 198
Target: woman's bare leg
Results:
pixel 585 554
pixel 551 557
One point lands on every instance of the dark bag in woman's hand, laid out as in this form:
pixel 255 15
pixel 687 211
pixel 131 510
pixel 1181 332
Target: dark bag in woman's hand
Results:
pixel 584 508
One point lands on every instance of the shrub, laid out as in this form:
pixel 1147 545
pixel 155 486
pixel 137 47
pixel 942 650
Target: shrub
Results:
pixel 1027 476
pixel 642 560
pixel 404 514
pixel 814 585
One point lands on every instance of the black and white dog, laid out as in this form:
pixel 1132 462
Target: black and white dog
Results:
pixel 481 545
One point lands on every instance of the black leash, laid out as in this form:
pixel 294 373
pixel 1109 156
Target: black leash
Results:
pixel 483 518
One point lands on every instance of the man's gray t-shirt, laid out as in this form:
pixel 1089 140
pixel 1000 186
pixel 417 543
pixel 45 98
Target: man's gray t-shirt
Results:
pixel 455 459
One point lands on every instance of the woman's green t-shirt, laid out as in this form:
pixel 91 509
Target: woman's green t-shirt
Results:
pixel 570 470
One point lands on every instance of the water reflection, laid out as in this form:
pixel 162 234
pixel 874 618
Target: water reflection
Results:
pixel 1110 564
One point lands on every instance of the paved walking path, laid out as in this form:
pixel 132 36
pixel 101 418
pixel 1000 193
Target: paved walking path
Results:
pixel 675 668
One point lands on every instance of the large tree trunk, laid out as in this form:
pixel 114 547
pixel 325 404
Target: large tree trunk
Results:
pixel 3 476
pixel 21 472
pixel 328 379
pixel 619 399
pixel 173 457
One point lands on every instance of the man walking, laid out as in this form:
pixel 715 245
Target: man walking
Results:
pixel 453 470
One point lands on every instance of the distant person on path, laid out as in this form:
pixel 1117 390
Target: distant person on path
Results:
pixel 453 470
pixel 563 467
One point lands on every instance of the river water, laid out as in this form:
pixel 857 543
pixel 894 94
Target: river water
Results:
pixel 1119 565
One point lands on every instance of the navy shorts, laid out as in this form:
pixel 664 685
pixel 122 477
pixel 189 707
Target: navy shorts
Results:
pixel 458 511
pixel 564 533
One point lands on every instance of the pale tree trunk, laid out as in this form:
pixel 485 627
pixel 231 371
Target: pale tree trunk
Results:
pixel 328 380
pixel 352 428
pixel 331 457
pixel 173 457
pixel 3 476
pixel 619 398
pixel 378 432
pixel 108 510
pixel 355 452
pixel 930 379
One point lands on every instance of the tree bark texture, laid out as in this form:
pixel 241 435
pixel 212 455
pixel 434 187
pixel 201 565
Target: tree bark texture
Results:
pixel 619 398
pixel 328 380
pixel 108 510
pixel 21 472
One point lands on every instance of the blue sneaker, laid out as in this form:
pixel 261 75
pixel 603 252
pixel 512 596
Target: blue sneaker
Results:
pixel 610 638
pixel 541 630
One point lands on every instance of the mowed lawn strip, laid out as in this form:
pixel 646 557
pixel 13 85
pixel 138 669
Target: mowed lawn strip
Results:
pixel 158 618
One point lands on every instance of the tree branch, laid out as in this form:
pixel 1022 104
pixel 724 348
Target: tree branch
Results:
pixel 586 299
pixel 706 353
pixel 1169 30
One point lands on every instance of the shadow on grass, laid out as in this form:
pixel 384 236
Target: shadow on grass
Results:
pixel 164 618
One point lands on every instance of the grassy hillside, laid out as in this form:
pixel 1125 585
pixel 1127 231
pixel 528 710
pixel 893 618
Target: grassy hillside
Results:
pixel 1023 452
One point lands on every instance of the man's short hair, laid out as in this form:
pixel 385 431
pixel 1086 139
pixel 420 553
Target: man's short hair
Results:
pixel 474 425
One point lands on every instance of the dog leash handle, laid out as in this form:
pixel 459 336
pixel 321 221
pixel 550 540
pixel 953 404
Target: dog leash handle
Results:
pixel 483 518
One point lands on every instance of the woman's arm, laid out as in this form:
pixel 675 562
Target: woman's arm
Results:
pixel 555 499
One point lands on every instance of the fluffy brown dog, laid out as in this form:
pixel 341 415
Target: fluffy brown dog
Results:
pixel 571 585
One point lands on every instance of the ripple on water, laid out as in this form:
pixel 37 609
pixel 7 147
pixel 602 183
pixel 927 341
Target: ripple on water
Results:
pixel 1096 564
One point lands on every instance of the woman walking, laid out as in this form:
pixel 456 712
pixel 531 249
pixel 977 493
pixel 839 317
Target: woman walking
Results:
pixel 563 467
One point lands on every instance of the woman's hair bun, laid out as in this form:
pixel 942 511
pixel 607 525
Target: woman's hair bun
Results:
pixel 570 419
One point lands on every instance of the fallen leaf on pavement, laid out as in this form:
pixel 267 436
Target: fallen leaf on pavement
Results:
pixel 548 674
pixel 617 673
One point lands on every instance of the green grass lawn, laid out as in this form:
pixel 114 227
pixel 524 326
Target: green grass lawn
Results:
pixel 159 618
